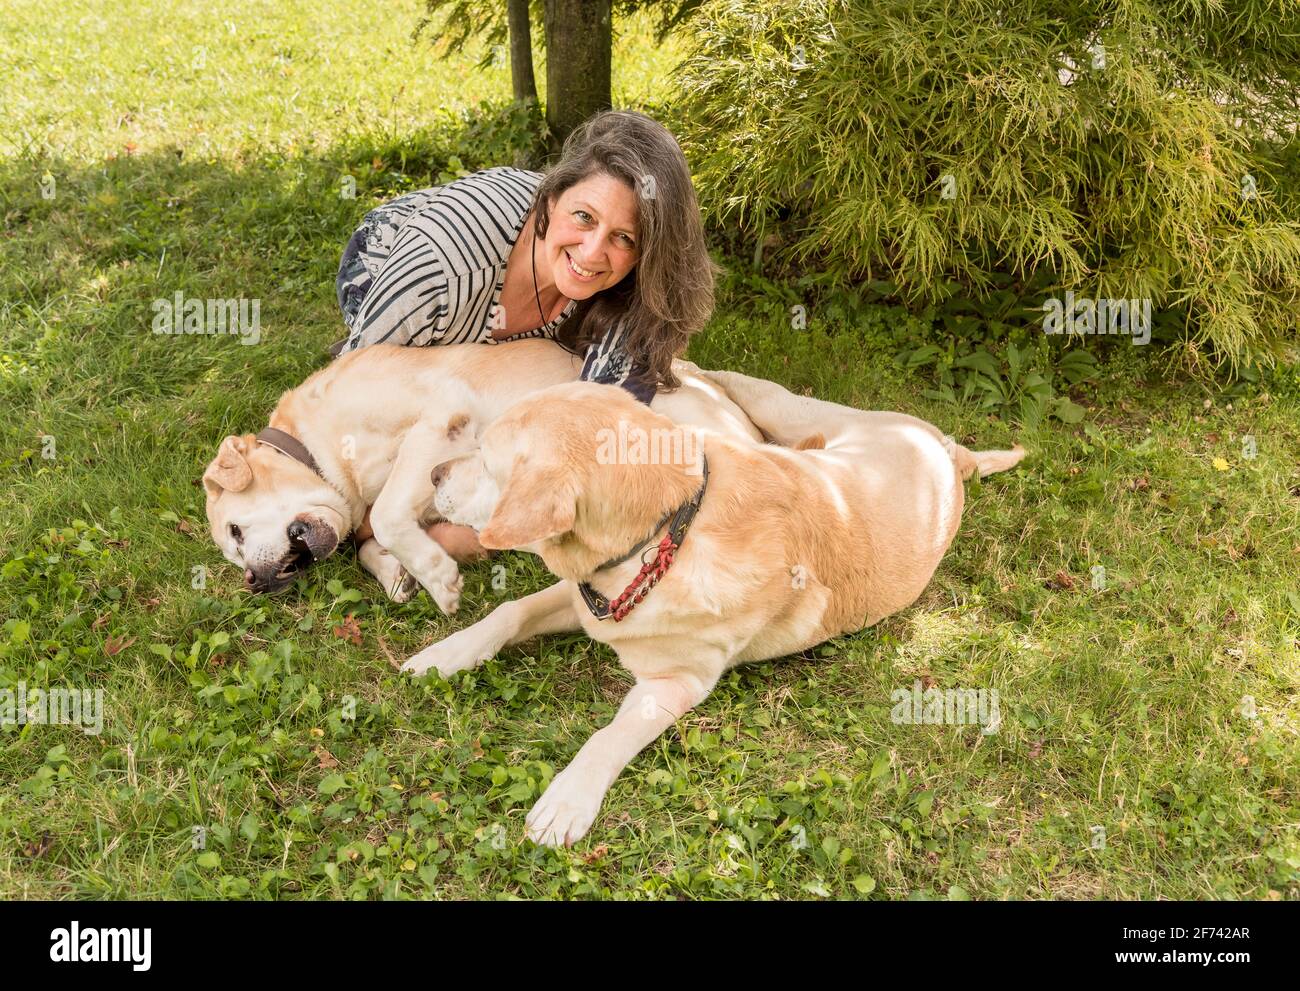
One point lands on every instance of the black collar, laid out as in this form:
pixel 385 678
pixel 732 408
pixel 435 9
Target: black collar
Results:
pixel 679 521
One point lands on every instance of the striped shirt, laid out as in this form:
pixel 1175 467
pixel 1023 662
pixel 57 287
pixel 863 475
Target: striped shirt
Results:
pixel 429 268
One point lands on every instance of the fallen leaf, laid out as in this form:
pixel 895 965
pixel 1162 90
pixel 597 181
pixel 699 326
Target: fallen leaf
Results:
pixel 350 630
pixel 217 661
pixel 1036 750
pixel 596 855
pixel 115 645
pixel 151 604
pixel 34 851
pixel 130 147
pixel 324 758
pixel 1063 580
pixel 100 620
pixel 183 525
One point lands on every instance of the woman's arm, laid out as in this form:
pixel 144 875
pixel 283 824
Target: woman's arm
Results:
pixel 408 301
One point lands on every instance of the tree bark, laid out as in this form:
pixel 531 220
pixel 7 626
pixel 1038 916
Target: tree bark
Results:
pixel 521 51
pixel 578 56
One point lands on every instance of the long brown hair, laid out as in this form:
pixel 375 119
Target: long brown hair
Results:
pixel 668 294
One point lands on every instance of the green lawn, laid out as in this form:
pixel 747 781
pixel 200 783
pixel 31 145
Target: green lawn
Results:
pixel 219 174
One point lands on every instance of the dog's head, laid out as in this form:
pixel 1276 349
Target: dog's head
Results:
pixel 269 514
pixel 560 474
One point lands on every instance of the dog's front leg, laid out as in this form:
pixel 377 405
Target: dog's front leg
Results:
pixel 398 585
pixel 395 516
pixel 568 807
pixel 547 611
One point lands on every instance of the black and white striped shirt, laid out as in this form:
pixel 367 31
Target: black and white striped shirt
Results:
pixel 432 266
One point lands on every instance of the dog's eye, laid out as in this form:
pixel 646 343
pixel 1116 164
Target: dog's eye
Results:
pixel 237 533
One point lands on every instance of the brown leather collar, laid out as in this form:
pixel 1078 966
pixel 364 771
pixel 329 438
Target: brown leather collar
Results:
pixel 289 445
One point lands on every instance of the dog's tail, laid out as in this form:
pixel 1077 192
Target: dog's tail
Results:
pixel 984 462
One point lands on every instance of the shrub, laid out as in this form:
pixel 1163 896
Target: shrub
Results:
pixel 1122 150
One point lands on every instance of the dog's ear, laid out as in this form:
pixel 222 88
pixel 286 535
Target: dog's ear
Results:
pixel 534 505
pixel 229 469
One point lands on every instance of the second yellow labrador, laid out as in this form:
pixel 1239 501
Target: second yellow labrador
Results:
pixel 690 565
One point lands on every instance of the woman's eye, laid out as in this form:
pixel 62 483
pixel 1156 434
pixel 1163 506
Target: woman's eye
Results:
pixel 627 242
pixel 235 532
pixel 582 215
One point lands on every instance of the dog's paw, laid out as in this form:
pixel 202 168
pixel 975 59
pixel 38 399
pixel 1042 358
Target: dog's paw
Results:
pixel 401 587
pixel 447 595
pixel 459 652
pixel 565 811
pixel 441 578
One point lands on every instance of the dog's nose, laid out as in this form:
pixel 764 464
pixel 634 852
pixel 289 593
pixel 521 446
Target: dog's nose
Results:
pixel 250 579
pixel 297 530
pixel 439 474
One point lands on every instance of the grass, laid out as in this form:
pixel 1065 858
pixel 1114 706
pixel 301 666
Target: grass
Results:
pixel 318 772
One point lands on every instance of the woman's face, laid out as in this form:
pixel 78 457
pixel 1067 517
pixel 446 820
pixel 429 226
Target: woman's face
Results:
pixel 591 242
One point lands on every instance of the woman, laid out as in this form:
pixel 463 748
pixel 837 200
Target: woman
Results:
pixel 605 254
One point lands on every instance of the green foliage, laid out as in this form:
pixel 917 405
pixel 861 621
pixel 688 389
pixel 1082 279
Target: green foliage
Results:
pixel 454 23
pixel 1122 150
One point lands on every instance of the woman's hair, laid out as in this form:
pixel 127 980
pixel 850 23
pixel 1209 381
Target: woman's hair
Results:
pixel 668 294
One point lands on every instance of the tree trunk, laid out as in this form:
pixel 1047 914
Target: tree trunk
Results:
pixel 521 51
pixel 578 56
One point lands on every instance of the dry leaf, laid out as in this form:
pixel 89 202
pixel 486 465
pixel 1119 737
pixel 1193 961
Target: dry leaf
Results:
pixel 324 758
pixel 1036 750
pixel 596 855
pixel 100 620
pixel 40 848
pixel 115 645
pixel 350 630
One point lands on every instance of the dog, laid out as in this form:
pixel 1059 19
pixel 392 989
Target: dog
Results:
pixel 767 551
pixel 349 453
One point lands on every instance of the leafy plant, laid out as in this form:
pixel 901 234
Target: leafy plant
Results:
pixel 1012 380
pixel 1121 150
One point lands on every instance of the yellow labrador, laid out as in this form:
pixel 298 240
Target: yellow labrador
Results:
pixel 361 436
pixel 770 549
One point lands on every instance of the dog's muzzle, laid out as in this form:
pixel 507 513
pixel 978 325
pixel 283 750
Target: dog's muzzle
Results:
pixel 309 541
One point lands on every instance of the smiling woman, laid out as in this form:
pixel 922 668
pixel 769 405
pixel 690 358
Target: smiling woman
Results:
pixel 605 254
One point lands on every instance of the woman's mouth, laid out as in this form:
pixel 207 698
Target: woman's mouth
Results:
pixel 581 274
